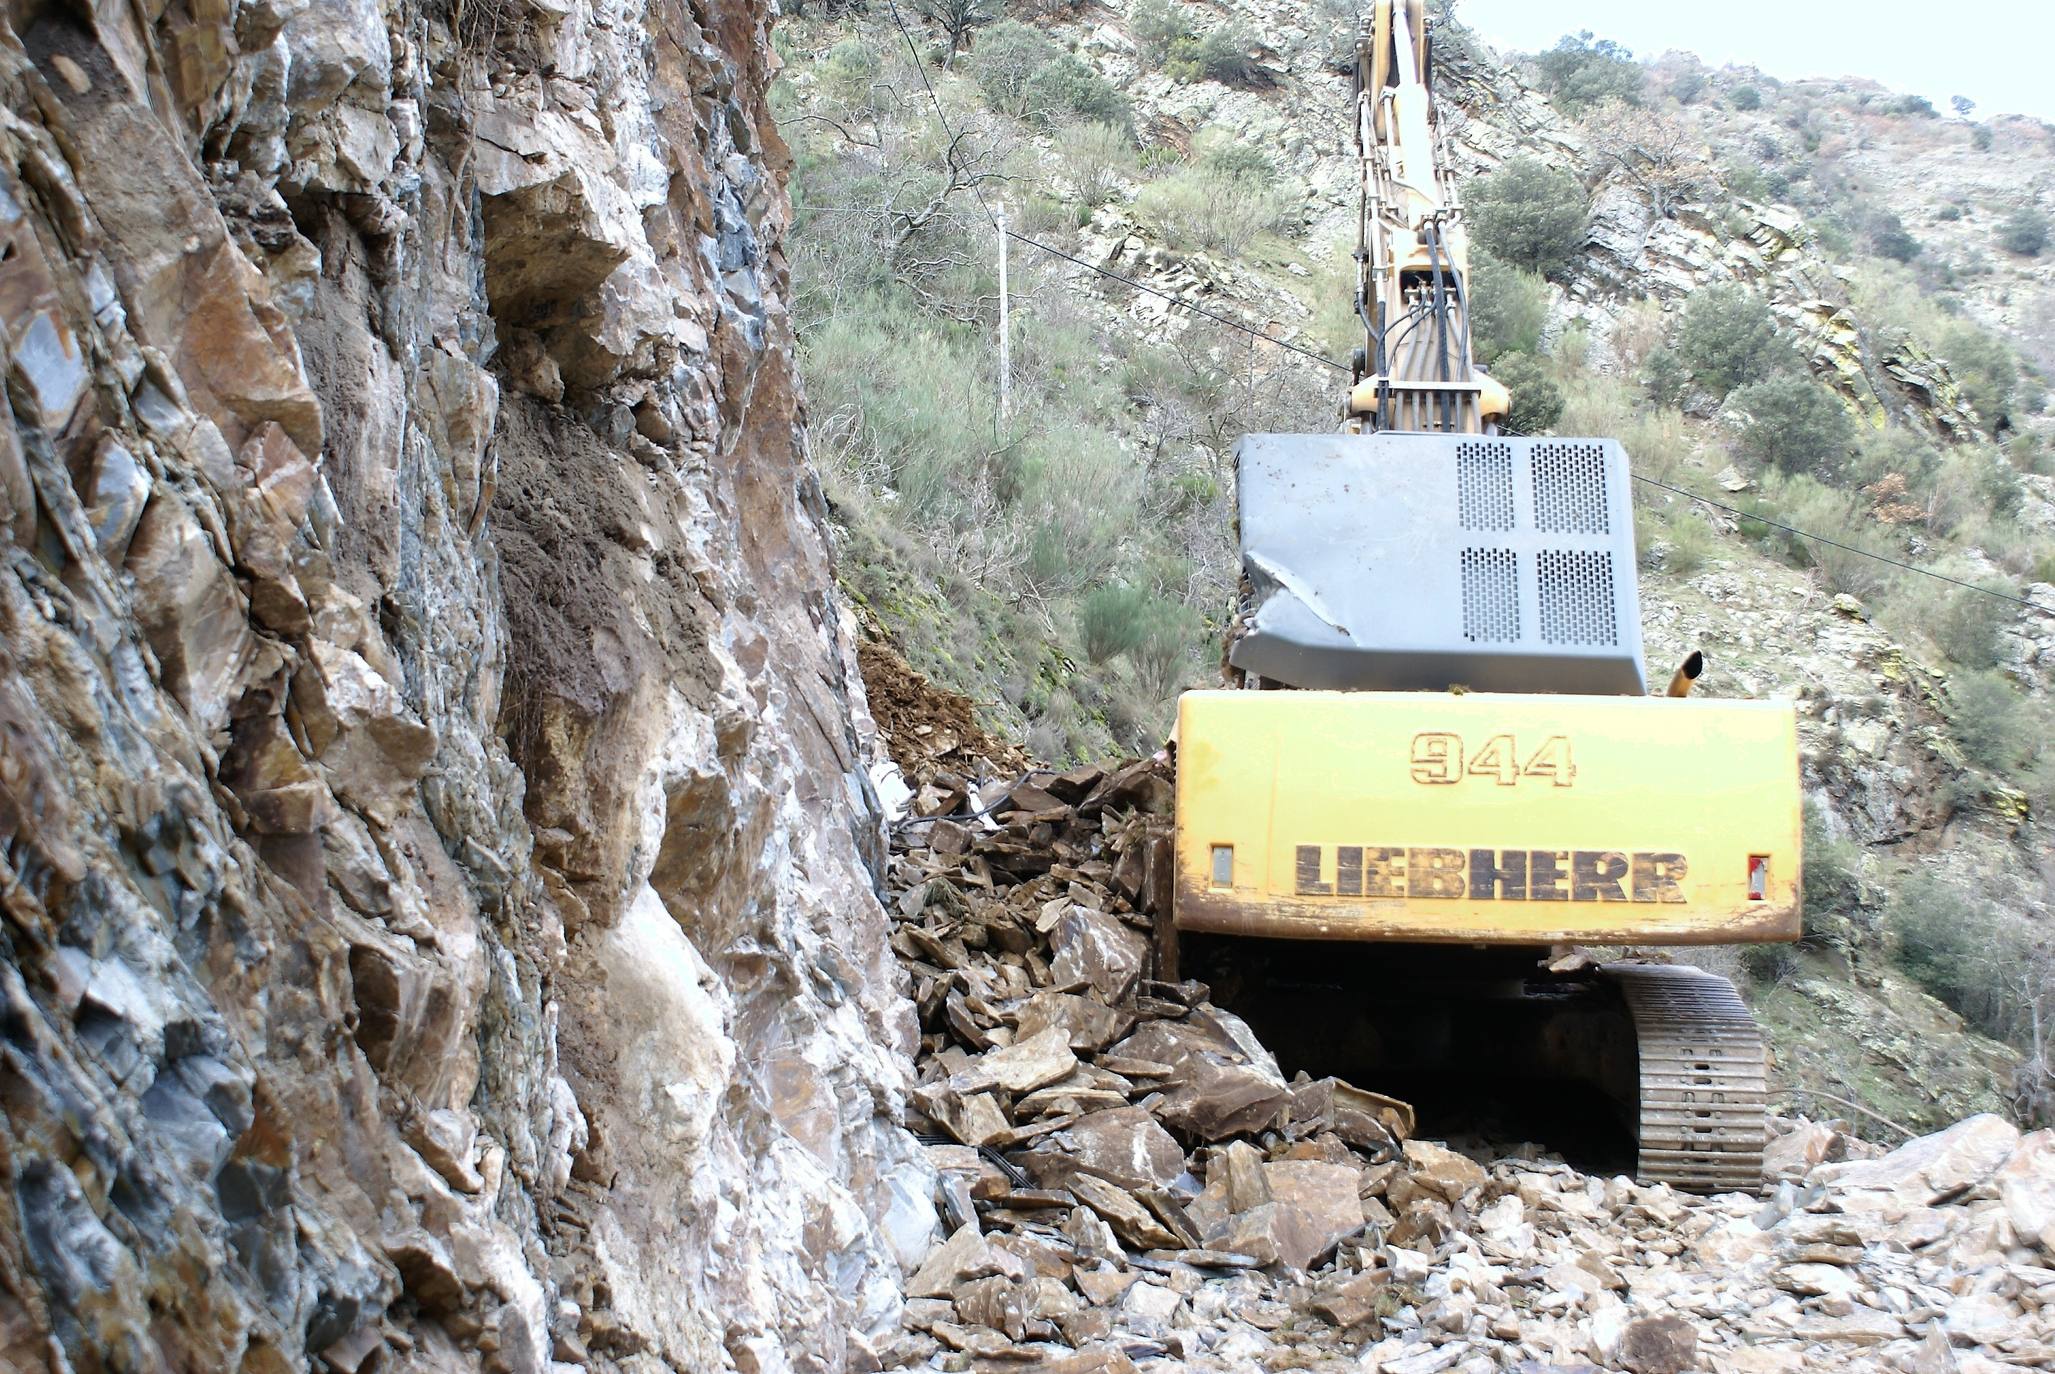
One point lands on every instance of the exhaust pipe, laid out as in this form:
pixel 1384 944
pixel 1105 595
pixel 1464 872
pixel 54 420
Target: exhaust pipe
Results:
pixel 1686 674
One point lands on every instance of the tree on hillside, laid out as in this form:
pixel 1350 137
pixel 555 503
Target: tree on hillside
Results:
pixel 957 18
pixel 1529 214
pixel 1581 72
pixel 1508 308
pixel 1650 151
pixel 2025 232
pixel 1794 424
pixel 1962 105
pixel 1006 57
pixel 1889 236
pixel 1729 338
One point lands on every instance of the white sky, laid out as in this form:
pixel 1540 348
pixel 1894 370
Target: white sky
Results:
pixel 1996 52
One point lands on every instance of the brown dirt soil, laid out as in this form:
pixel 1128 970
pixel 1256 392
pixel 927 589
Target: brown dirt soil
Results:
pixel 928 728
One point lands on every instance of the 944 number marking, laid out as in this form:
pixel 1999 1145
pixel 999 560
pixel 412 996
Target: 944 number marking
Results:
pixel 1441 760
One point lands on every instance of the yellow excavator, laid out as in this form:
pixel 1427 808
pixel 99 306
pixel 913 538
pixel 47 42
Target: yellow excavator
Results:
pixel 1438 763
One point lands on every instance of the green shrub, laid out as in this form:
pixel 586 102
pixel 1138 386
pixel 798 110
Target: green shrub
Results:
pixel 1572 348
pixel 1113 620
pixel 1943 935
pixel 1066 88
pixel 1508 308
pixel 1530 215
pixel 1988 718
pixel 1097 159
pixel 1728 338
pixel 1236 158
pixel 1833 236
pixel 1006 57
pixel 1200 208
pixel 1191 491
pixel 1537 400
pixel 1581 72
pixel 1917 106
pixel 1894 449
pixel 1664 377
pixel 1832 887
pixel 1748 181
pixel 2024 231
pixel 1948 214
pixel 1983 365
pixel 1964 625
pixel 1802 503
pixel 1890 239
pixel 1981 138
pixel 1794 424
pixel 1154 26
pixel 1691 544
pixel 1166 662
pixel 848 70
pixel 1746 98
pixel 1221 55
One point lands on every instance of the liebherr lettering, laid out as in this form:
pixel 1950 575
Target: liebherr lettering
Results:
pixel 1491 875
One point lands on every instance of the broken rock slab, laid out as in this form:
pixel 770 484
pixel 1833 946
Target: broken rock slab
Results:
pixel 1094 948
pixel 1933 1167
pixel 1224 1083
pixel 964 1256
pixel 1125 1146
pixel 1439 1171
pixel 1034 1062
pixel 1321 1200
pixel 1091 1024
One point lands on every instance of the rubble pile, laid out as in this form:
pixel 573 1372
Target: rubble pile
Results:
pixel 1128 1181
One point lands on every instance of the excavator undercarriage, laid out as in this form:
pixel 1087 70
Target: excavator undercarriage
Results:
pixel 1438 766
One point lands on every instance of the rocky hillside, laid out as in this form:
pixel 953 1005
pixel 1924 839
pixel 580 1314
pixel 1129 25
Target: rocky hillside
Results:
pixel 1069 565
pixel 433 895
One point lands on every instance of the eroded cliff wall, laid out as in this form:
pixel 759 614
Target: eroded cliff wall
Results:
pixel 437 932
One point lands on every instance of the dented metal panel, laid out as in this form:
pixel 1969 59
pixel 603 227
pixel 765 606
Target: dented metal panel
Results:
pixel 1478 817
pixel 1417 561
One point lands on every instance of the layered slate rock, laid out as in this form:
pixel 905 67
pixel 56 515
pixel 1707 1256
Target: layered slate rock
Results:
pixel 434 928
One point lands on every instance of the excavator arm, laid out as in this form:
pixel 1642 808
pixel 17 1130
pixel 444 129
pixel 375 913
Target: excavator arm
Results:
pixel 1415 371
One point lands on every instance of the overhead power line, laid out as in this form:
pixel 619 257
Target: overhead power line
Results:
pixel 1845 548
pixel 1126 280
pixel 1253 332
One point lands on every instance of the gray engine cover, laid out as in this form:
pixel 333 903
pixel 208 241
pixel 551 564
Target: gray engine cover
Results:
pixel 1404 562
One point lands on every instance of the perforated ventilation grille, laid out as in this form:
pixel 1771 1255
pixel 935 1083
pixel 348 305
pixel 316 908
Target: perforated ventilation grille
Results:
pixel 1491 595
pixel 1569 488
pixel 1484 486
pixel 1576 597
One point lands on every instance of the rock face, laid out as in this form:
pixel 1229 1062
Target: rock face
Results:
pixel 435 928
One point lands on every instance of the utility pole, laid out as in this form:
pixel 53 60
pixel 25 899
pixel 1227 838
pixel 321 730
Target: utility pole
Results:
pixel 1005 327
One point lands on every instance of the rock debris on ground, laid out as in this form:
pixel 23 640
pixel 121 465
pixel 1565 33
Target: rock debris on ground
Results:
pixel 1128 1181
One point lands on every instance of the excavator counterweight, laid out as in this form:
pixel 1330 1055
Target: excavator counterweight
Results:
pixel 1437 757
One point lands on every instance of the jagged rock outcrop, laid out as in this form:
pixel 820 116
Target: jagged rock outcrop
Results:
pixel 436 934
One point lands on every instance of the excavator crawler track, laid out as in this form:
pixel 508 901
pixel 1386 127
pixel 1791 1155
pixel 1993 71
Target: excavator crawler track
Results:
pixel 1704 1079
